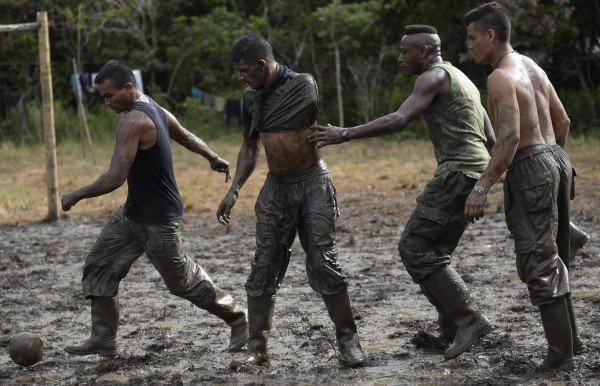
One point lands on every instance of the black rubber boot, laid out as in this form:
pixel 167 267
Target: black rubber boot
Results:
pixel 578 239
pixel 557 328
pixel 578 345
pixel 226 308
pixel 260 320
pixel 340 312
pixel 105 321
pixel 444 321
pixel 452 293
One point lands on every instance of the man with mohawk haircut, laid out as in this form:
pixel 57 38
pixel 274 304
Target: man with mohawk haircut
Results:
pixel 462 136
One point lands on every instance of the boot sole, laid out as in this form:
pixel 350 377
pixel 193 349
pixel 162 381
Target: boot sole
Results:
pixel 481 333
pixel 355 363
pixel 239 365
pixel 102 353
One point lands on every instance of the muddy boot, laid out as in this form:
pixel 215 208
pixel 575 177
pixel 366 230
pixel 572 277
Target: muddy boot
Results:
pixel 260 320
pixel 444 321
pixel 340 312
pixel 105 320
pixel 226 308
pixel 557 328
pixel 578 345
pixel 578 239
pixel 452 293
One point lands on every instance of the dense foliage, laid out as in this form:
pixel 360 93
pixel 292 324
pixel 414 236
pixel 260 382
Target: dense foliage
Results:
pixel 180 44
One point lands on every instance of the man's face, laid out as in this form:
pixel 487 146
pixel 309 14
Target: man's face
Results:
pixel 477 44
pixel 409 59
pixel 254 75
pixel 117 99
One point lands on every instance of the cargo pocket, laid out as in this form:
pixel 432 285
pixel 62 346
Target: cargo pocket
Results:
pixel 430 222
pixel 538 193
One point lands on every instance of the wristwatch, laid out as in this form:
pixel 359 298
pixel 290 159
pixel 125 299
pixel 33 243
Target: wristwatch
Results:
pixel 345 135
pixel 479 189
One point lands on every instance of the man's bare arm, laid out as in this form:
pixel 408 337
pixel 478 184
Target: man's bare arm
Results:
pixel 196 145
pixel 128 133
pixel 246 163
pixel 560 119
pixel 427 86
pixel 505 114
pixel 490 135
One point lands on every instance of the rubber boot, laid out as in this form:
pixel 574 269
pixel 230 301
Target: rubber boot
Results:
pixel 340 312
pixel 452 293
pixel 105 320
pixel 557 328
pixel 578 345
pixel 578 239
pixel 226 308
pixel 260 320
pixel 446 324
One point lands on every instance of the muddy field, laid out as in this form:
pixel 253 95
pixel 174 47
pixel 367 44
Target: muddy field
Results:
pixel 164 340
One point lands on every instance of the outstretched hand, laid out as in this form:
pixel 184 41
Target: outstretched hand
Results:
pixel 325 135
pixel 221 166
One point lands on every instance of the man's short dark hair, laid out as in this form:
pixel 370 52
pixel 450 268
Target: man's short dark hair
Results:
pixel 118 73
pixel 419 29
pixel 490 16
pixel 251 49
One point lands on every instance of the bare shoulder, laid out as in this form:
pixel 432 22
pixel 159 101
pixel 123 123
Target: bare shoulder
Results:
pixel 500 80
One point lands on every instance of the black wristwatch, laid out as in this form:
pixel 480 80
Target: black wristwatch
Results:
pixel 479 189
pixel 345 135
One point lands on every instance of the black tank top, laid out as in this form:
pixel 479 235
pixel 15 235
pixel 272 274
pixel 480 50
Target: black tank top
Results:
pixel 153 197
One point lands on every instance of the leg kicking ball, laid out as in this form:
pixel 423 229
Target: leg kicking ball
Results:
pixel 25 349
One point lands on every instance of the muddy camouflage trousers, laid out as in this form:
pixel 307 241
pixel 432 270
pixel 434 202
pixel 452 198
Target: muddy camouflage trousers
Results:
pixel 122 241
pixel 536 203
pixel 305 205
pixel 436 225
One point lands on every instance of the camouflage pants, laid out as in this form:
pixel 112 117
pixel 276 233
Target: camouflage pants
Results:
pixel 436 225
pixel 534 195
pixel 305 205
pixel 122 241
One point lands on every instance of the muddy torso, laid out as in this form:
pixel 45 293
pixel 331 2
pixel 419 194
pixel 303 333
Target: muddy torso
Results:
pixel 281 117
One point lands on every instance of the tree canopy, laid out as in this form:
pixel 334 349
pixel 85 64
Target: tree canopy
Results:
pixel 180 44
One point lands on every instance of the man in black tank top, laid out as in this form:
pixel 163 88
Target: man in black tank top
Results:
pixel 150 220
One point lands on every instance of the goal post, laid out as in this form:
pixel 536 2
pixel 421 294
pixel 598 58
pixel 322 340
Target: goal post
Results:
pixel 42 26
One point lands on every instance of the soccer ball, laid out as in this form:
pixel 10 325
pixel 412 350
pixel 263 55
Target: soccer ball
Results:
pixel 25 349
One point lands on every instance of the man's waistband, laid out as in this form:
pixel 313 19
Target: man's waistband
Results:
pixel 530 152
pixel 320 168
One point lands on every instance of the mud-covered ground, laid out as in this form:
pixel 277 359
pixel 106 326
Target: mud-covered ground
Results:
pixel 164 340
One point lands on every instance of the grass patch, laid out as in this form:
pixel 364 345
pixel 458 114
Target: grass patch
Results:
pixel 372 166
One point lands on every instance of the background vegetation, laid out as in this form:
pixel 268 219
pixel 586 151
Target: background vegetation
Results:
pixel 180 44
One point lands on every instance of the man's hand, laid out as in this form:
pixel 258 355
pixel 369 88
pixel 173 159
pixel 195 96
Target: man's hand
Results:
pixel 326 135
pixel 220 165
pixel 224 211
pixel 475 205
pixel 68 200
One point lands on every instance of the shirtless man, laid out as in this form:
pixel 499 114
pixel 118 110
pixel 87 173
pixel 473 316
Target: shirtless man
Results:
pixel 279 107
pixel 532 127
pixel 150 220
